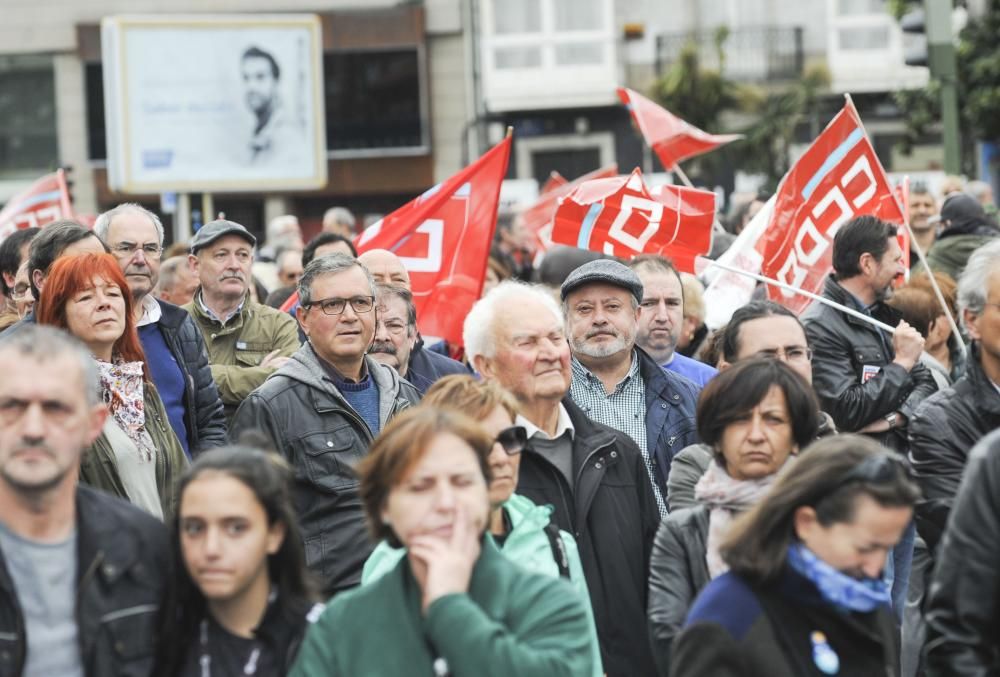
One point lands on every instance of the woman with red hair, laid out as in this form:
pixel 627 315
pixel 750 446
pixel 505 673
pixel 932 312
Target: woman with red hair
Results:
pixel 137 457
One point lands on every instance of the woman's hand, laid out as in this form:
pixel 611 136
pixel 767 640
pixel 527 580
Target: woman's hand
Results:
pixel 448 562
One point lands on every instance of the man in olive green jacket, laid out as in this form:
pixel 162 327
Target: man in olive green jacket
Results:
pixel 246 341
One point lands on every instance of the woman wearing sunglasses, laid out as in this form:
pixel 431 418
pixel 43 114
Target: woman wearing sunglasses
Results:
pixel 523 531
pixel 454 605
pixel 804 594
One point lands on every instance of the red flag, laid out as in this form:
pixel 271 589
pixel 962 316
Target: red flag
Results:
pixel 44 201
pixel 839 177
pixel 554 181
pixel 902 192
pixel 538 217
pixel 443 238
pixel 671 138
pixel 621 217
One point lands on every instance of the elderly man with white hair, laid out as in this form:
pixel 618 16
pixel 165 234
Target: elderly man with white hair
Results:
pixel 594 476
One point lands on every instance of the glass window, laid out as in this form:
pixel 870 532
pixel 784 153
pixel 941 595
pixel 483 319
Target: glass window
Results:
pixel 855 7
pixel 578 15
pixel 579 53
pixel 517 57
pixel 28 139
pixel 517 16
pixel 94 83
pixel 876 37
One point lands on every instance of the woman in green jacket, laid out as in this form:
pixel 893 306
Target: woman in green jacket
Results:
pixel 523 531
pixel 137 457
pixel 454 605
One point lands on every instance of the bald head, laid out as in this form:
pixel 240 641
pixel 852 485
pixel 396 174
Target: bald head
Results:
pixel 385 267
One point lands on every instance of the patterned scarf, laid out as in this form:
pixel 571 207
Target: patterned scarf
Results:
pixel 838 589
pixel 726 498
pixel 122 388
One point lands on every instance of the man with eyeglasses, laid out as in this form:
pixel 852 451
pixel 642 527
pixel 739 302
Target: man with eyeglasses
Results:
pixel 758 329
pixel 323 408
pixel 247 341
pixel 396 333
pixel 174 347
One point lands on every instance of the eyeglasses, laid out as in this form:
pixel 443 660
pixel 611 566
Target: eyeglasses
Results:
pixel 789 354
pixel 335 306
pixel 20 291
pixel 512 439
pixel 128 250
pixel 396 327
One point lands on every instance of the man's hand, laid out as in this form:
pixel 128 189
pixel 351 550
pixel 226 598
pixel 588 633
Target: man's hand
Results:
pixel 908 344
pixel 274 360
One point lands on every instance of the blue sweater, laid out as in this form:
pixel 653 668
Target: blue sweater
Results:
pixel 168 377
pixel 363 397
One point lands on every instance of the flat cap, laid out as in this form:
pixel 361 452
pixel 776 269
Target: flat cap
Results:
pixel 213 230
pixel 604 271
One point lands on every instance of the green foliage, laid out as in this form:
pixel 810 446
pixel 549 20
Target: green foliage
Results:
pixel 979 74
pixel 696 94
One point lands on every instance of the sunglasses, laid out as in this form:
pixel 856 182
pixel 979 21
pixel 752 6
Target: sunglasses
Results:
pixel 512 439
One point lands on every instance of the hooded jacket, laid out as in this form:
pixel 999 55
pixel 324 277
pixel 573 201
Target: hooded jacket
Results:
pixel 309 422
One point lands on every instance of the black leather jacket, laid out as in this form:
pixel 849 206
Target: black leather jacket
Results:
pixel 123 575
pixel 843 346
pixel 678 571
pixel 310 423
pixel 963 611
pixel 943 430
pixel 204 418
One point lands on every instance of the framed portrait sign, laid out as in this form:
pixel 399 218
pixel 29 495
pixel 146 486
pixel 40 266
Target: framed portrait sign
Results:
pixel 214 103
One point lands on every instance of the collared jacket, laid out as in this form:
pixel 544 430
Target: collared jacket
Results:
pixel 204 418
pixel 853 371
pixel 311 424
pixel 963 606
pixel 785 629
pixel 236 349
pixel 951 251
pixel 509 622
pixel 99 469
pixel 123 575
pixel 612 514
pixel 943 430
pixel 427 366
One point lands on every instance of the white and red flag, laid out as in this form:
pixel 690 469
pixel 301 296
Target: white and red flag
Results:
pixel 538 217
pixel 443 238
pixel 621 217
pixel 671 138
pixel 44 201
pixel 838 178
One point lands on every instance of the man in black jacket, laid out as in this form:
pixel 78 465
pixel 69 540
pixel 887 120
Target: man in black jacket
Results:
pixel 593 476
pixel 323 408
pixel 174 346
pixel 963 610
pixel 949 423
pixel 82 574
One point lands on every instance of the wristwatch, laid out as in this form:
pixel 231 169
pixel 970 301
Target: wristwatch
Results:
pixel 891 419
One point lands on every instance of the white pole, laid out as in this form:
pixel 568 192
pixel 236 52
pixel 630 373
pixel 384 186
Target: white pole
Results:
pixel 937 290
pixel 682 176
pixel 809 295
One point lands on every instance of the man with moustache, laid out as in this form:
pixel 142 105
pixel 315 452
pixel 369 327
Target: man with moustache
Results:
pixel 246 340
pixel 174 347
pixel 396 333
pixel 615 382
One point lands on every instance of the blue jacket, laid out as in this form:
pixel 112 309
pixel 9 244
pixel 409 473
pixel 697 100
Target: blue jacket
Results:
pixel 427 366
pixel 671 401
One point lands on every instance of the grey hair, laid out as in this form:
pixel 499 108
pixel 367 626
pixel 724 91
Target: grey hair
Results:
pixel 43 342
pixel 328 265
pixel 340 215
pixel 974 280
pixel 169 271
pixel 103 223
pixel 479 332
pixel 275 226
pixel 977 189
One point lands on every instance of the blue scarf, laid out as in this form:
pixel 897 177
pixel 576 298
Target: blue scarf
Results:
pixel 842 591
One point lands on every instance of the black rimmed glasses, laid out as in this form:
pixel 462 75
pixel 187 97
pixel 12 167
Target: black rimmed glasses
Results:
pixel 335 306
pixel 513 439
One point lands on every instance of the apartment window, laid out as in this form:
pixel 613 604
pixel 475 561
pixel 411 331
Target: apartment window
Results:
pixel 863 37
pixel 28 140
pixel 535 33
pixel 859 7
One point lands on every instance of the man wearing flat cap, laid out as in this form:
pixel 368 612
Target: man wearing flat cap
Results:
pixel 246 341
pixel 615 382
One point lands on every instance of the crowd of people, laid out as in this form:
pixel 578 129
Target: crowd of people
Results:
pixel 236 458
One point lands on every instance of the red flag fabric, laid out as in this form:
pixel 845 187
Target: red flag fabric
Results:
pixel 902 191
pixel 44 201
pixel 621 217
pixel 839 177
pixel 538 217
pixel 671 138
pixel 443 238
pixel 554 181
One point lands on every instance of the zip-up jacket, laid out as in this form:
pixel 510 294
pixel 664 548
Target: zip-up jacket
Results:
pixel 124 570
pixel 311 424
pixel 612 514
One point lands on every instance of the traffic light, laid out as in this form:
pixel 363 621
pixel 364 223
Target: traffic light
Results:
pixel 915 38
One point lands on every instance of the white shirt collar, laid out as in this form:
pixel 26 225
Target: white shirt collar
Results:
pixel 562 425
pixel 151 311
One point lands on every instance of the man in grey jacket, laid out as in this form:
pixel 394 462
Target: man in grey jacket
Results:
pixel 323 408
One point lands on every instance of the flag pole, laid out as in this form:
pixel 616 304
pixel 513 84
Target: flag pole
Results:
pixel 809 295
pixel 937 289
pixel 682 176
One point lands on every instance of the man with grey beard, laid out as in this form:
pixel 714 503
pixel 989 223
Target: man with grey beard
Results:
pixel 617 383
